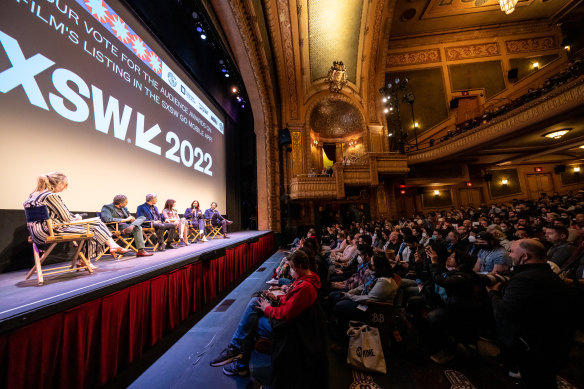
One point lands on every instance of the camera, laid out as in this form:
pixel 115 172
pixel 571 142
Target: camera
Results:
pixel 492 279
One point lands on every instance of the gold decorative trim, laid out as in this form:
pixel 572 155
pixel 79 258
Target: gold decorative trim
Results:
pixel 371 89
pixel 565 98
pixel 243 15
pixel 416 57
pixel 288 48
pixel 531 44
pixel 456 53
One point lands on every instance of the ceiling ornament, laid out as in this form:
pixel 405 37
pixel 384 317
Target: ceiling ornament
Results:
pixel 337 77
pixel 508 6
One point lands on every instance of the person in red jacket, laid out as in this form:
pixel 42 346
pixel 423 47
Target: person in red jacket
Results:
pixel 256 319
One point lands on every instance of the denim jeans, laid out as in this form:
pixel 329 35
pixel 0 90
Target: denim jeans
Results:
pixel 252 322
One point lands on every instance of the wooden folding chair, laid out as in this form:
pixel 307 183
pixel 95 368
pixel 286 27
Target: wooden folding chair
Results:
pixel 41 214
pixel 118 237
pixel 213 231
pixel 194 233
pixel 149 232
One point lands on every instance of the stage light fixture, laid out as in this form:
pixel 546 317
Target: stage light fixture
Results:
pixel 226 75
pixel 234 90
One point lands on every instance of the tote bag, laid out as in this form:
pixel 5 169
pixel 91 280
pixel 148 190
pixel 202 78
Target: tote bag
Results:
pixel 365 351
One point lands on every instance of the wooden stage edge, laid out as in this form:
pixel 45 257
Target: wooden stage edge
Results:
pixel 23 302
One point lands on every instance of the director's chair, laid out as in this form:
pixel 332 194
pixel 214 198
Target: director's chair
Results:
pixel 213 231
pixel 118 237
pixel 41 214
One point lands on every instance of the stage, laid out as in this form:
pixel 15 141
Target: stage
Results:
pixel 78 328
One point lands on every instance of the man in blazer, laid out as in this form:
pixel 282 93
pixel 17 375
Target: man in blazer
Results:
pixel 216 218
pixel 150 212
pixel 118 212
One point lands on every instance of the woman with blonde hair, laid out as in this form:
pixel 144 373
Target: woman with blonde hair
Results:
pixel 171 216
pixel 47 194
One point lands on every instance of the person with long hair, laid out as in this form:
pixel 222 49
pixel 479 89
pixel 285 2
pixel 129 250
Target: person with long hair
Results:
pixel 171 216
pixel 194 216
pixel 46 194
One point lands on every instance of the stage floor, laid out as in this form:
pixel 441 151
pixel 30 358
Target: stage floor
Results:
pixel 23 301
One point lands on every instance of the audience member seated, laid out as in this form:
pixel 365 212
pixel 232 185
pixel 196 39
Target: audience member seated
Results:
pixel 170 215
pixel 491 258
pixel 47 194
pixel 118 212
pixel 262 313
pixel 381 286
pixel 194 216
pixel 216 219
pixel 533 317
pixel 150 212
pixel 561 250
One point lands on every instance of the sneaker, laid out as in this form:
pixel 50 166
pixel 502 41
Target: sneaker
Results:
pixel 442 357
pixel 230 354
pixel 204 239
pixel 235 368
pixel 273 281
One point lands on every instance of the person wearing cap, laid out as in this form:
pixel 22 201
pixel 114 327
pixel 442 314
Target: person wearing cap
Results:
pixel 491 258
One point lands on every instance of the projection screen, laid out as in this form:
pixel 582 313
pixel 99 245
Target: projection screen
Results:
pixel 86 90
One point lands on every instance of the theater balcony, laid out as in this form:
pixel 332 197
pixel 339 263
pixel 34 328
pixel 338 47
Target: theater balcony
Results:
pixel 362 171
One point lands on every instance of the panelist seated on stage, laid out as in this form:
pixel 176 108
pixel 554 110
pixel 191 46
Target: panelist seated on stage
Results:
pixel 171 216
pixel 150 212
pixel 128 224
pixel 47 194
pixel 194 216
pixel 216 218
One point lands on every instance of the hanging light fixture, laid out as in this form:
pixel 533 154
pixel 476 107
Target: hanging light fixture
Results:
pixel 508 6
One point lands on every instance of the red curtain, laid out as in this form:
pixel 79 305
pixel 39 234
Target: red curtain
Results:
pixel 87 345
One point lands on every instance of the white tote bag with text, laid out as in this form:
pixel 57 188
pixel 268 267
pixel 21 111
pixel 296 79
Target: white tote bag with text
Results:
pixel 365 351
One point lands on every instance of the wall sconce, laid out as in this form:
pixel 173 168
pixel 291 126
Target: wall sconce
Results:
pixel 576 169
pixel 436 192
pixel 315 142
pixel 353 143
pixel 403 192
pixel 416 125
pixel 535 65
pixel 504 182
pixel 469 184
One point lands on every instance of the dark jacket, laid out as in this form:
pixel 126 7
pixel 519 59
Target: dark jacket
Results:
pixel 532 311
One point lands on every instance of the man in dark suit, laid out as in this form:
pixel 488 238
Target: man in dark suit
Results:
pixel 216 218
pixel 150 212
pixel 117 212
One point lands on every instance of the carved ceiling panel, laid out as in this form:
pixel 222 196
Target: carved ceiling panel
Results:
pixel 334 30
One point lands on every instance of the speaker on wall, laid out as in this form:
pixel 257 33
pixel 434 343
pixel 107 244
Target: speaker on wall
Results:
pixel 488 177
pixel 284 137
pixel 454 103
pixel 560 169
pixel 512 74
pixel 420 190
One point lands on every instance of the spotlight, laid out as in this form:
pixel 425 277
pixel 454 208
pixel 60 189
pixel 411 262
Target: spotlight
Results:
pixel 239 99
pixel 199 29
pixel 226 75
pixel 195 15
pixel 386 110
pixel 390 134
pixel 391 108
pixel 234 90
pixel 384 99
pixel 203 36
pixel 223 70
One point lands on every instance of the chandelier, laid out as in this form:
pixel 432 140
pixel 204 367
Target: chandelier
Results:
pixel 337 76
pixel 508 6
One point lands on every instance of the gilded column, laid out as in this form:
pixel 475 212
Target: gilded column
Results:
pixel 297 147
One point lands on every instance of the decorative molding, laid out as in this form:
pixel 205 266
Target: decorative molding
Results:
pixel 371 89
pixel 296 152
pixel 455 53
pixel 313 188
pixel 565 98
pixel 531 44
pixel 288 49
pixel 243 14
pixel 413 58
